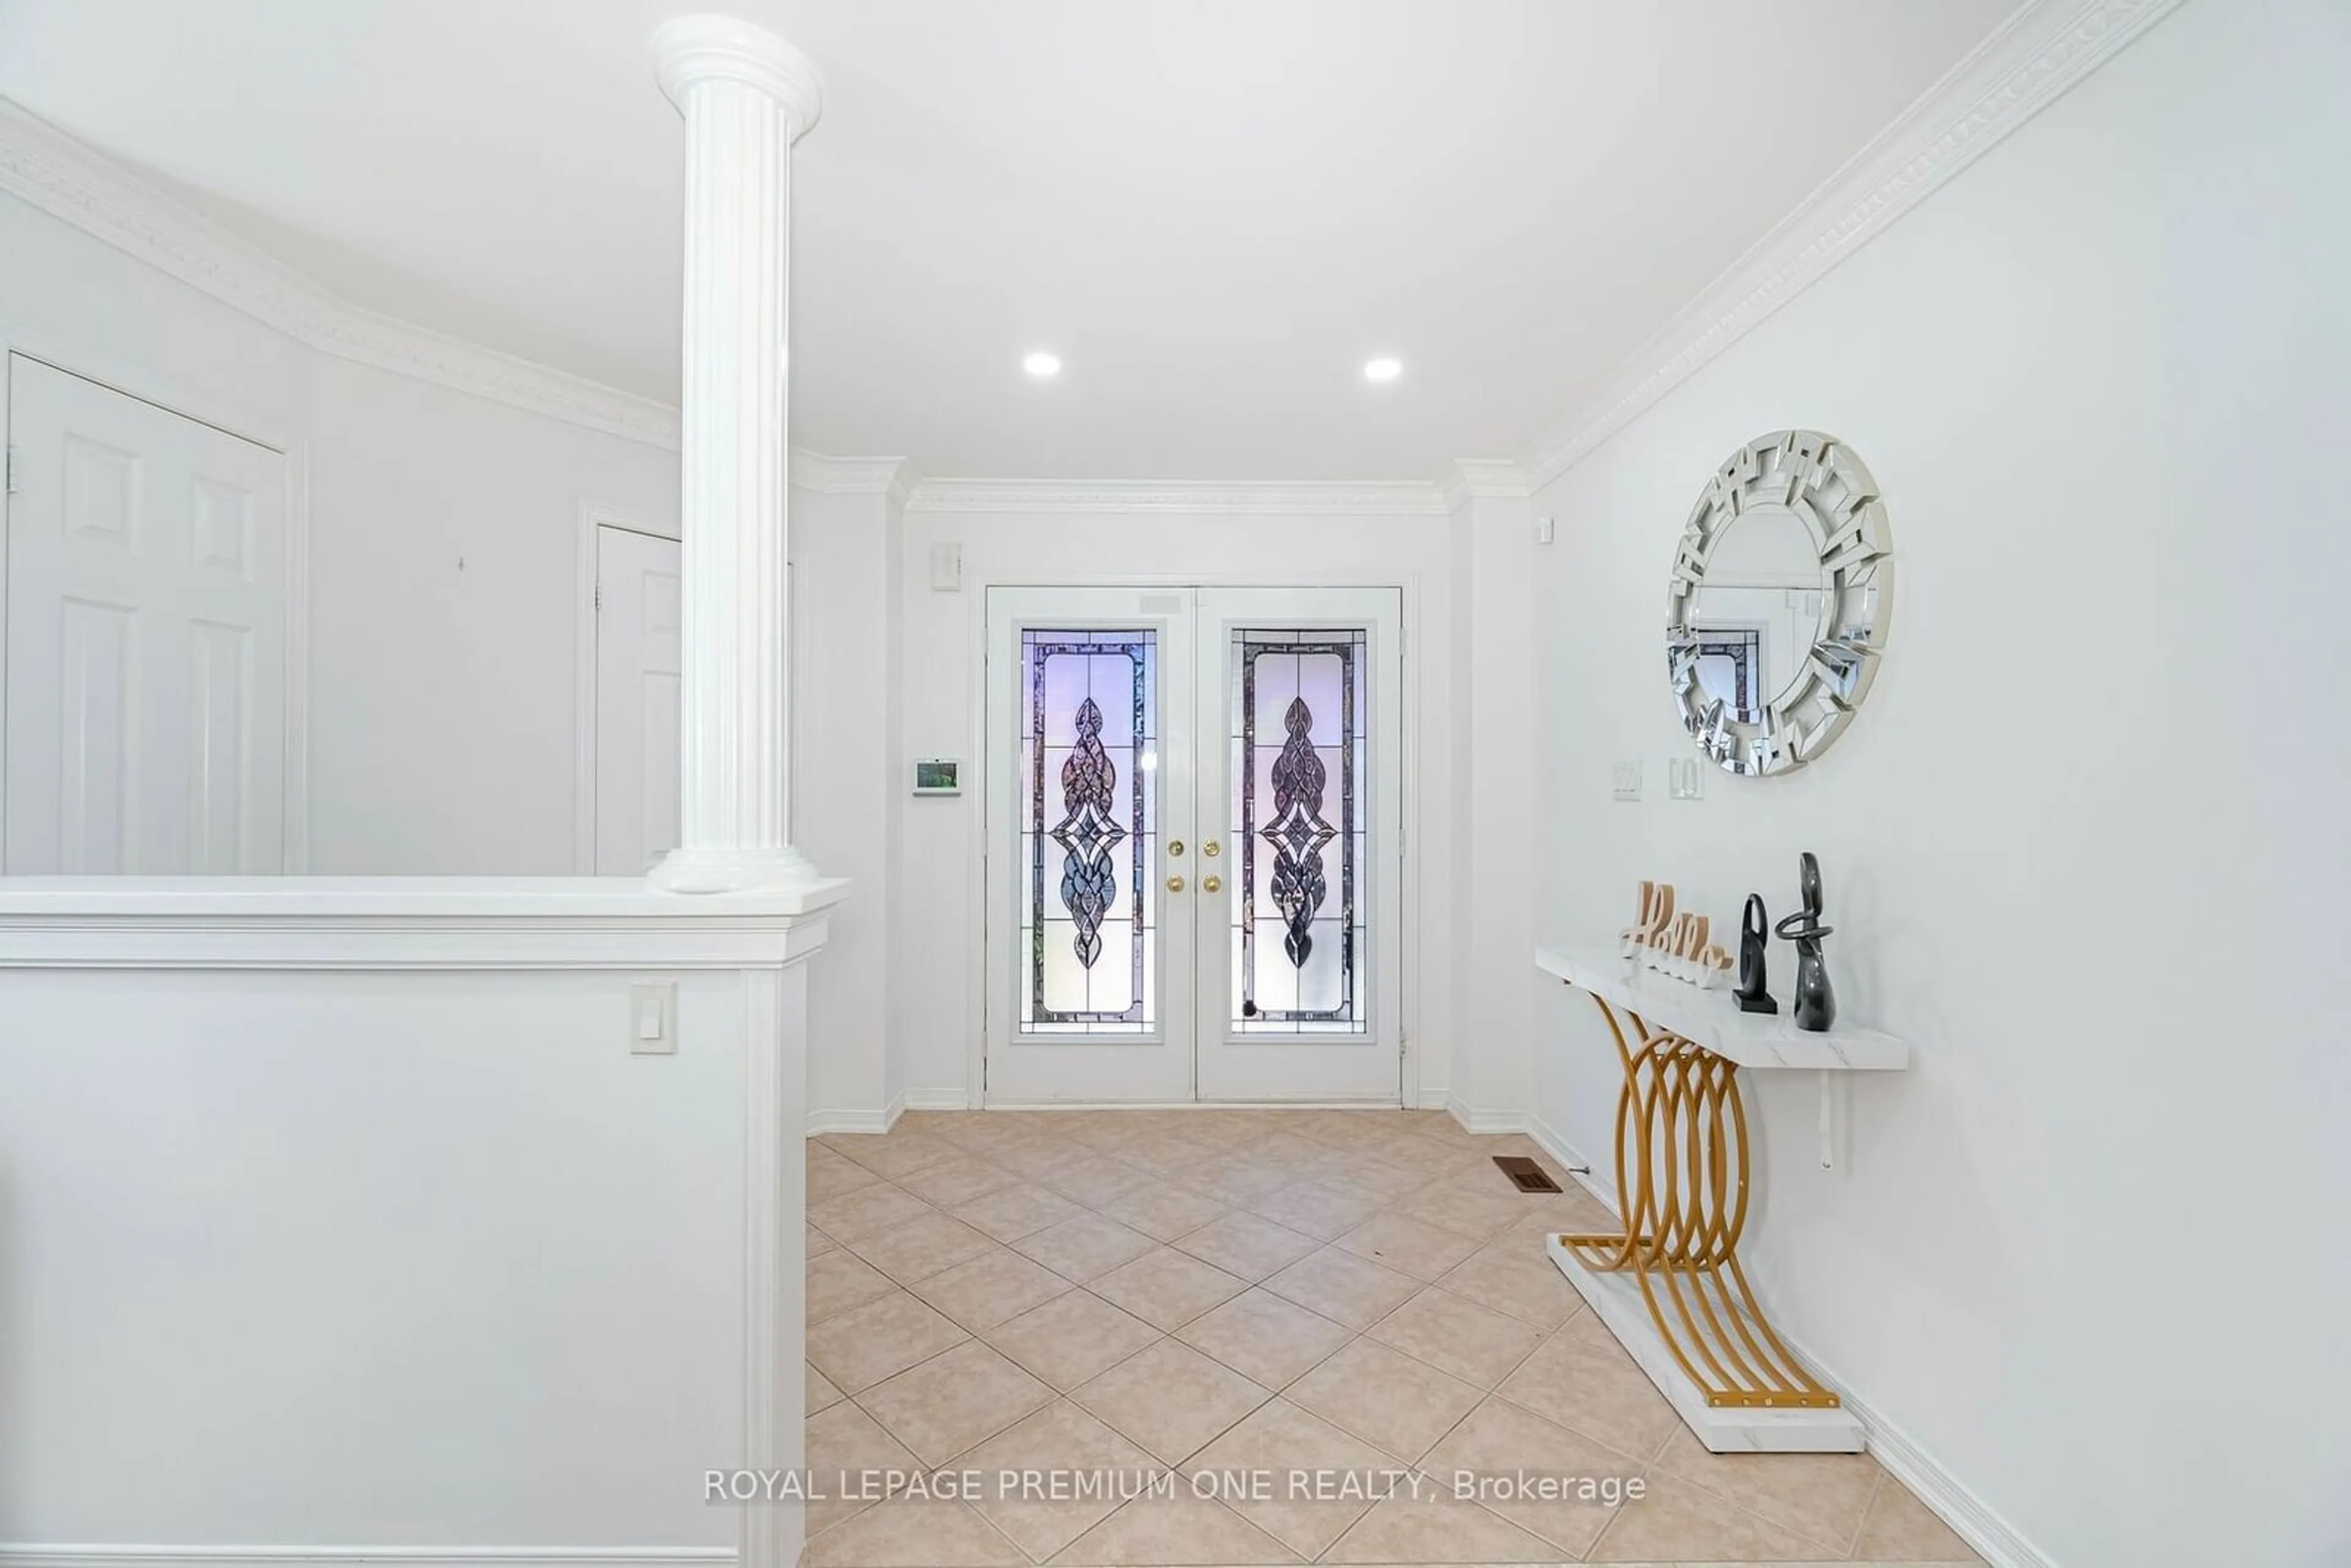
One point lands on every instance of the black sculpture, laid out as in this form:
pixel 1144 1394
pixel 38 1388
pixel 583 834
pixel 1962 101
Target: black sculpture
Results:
pixel 1815 1001
pixel 1754 926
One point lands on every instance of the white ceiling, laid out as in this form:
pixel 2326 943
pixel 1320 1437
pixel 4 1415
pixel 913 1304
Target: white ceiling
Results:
pixel 1214 210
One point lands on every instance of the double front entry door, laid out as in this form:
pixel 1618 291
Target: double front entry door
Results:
pixel 1195 848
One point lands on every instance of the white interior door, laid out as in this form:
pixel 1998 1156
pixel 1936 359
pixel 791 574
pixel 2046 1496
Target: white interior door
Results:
pixel 637 654
pixel 1193 799
pixel 1299 978
pixel 146 638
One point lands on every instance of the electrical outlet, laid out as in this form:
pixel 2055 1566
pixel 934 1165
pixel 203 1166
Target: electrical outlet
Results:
pixel 1625 782
pixel 653 1018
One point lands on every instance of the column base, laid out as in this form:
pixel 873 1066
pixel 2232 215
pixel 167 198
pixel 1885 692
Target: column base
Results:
pixel 731 870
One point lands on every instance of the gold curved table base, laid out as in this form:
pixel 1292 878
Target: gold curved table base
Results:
pixel 1681 1167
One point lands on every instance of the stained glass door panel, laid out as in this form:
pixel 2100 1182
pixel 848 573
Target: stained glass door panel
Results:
pixel 1193 809
pixel 1088 838
pixel 1088 979
pixel 1298 715
pixel 1300 990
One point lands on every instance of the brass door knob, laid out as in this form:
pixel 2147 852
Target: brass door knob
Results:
pixel 1211 849
pixel 1174 884
pixel 1211 884
pixel 1175 848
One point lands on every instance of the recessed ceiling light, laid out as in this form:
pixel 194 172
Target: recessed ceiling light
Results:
pixel 1042 364
pixel 1383 370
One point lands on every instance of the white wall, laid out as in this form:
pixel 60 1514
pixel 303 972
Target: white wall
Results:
pixel 845 799
pixel 2084 846
pixel 1491 746
pixel 443 533
pixel 70 298
pixel 442 595
pixel 936 896
pixel 441 696
pixel 396 1260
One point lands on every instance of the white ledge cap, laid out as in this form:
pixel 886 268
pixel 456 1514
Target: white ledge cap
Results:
pixel 688 50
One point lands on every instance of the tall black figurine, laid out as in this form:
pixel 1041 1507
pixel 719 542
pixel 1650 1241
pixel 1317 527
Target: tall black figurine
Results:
pixel 1815 1001
pixel 1754 925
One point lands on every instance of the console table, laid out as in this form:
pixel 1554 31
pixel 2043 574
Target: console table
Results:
pixel 1669 1286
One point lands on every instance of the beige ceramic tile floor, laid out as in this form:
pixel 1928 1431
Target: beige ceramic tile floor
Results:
pixel 1238 1293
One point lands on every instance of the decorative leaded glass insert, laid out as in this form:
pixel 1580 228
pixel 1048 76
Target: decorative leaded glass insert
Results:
pixel 1088 831
pixel 1299 831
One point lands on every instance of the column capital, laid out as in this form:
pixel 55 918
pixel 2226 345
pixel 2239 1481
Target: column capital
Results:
pixel 688 50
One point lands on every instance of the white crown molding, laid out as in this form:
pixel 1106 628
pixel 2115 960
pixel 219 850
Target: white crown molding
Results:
pixel 56 174
pixel 830 475
pixel 50 172
pixel 902 483
pixel 1482 478
pixel 1364 498
pixel 2034 58
pixel 2037 55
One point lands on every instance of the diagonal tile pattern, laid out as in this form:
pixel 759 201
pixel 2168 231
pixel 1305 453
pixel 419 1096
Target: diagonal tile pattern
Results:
pixel 993 1287
pixel 1289 1304
pixel 1247 1245
pixel 1171 1399
pixel 1166 1288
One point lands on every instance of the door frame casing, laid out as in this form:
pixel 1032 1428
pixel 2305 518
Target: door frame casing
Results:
pixel 592 518
pixel 1410 584
pixel 143 383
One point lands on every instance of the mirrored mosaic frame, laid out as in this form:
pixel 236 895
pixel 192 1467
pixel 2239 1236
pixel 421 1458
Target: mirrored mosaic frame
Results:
pixel 1830 490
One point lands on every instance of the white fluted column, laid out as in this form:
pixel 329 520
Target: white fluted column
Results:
pixel 746 97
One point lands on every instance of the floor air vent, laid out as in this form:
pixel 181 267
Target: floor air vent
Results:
pixel 1528 1176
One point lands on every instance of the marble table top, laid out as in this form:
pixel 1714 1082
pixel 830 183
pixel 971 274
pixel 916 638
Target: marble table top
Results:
pixel 1712 1018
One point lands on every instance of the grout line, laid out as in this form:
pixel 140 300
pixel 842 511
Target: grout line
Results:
pixel 1861 1525
pixel 1383 1203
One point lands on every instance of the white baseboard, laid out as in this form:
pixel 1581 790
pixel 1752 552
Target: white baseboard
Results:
pixel 1199 1105
pixel 822 1122
pixel 1999 1542
pixel 1483 1122
pixel 1996 1541
pixel 819 1123
pixel 15 1555
pixel 1586 1173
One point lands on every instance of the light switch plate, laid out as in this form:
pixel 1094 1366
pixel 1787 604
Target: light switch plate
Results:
pixel 1683 778
pixel 653 1018
pixel 946 568
pixel 1625 781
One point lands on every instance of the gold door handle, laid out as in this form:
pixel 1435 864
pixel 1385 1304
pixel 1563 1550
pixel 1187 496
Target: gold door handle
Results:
pixel 1211 850
pixel 1174 884
pixel 1211 884
pixel 1175 848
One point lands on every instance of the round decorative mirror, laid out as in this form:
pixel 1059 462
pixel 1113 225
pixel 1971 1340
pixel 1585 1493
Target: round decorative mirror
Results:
pixel 1778 606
